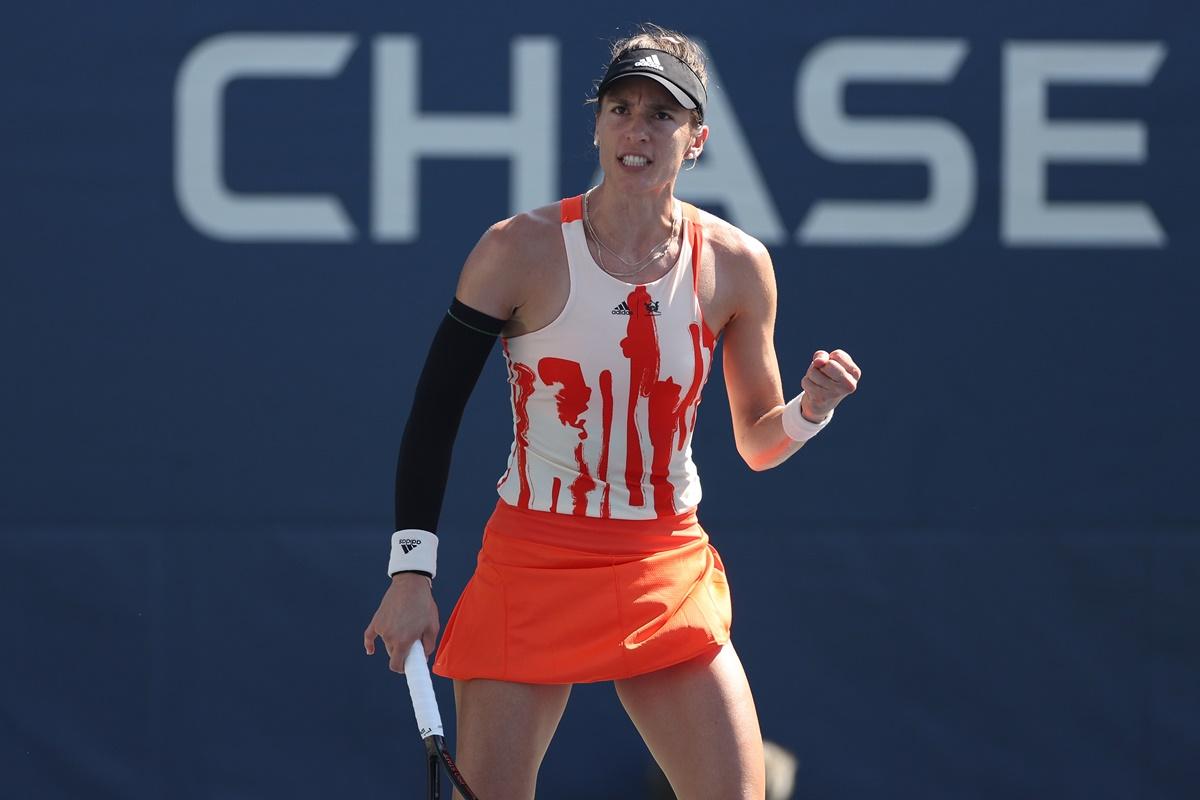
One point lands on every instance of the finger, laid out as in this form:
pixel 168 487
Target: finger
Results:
pixel 839 375
pixel 820 357
pixel 429 641
pixel 834 371
pixel 843 358
pixel 820 380
pixel 430 634
pixel 369 640
pixel 814 393
pixel 396 662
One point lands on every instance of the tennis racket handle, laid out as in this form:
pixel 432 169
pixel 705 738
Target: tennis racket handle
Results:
pixel 420 687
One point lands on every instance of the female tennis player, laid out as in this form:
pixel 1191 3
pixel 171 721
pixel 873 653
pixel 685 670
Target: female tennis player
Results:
pixel 593 567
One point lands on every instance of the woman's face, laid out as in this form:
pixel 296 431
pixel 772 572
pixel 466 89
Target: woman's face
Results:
pixel 643 134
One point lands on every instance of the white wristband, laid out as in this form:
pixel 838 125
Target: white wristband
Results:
pixel 413 549
pixel 796 426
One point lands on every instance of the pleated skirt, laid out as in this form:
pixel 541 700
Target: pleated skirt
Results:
pixel 560 599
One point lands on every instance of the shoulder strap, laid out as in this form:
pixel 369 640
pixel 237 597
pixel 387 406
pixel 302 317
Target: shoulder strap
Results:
pixel 571 209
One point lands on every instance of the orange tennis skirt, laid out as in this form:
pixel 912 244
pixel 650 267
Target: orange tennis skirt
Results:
pixel 557 598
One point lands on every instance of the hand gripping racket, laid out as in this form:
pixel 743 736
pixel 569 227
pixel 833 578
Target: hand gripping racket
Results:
pixel 429 723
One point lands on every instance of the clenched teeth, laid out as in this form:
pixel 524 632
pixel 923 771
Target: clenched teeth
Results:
pixel 634 161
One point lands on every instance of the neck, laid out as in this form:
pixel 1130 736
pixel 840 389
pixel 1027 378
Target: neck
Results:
pixel 631 223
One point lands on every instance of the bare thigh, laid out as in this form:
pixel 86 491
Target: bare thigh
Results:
pixel 503 732
pixel 699 721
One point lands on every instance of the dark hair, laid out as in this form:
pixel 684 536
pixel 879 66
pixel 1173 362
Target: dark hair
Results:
pixel 655 37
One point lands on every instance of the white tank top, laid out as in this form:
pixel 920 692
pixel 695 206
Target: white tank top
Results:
pixel 604 397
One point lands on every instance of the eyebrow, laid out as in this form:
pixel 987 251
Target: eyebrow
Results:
pixel 625 101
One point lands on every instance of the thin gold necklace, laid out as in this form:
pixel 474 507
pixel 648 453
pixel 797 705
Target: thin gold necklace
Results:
pixel 656 252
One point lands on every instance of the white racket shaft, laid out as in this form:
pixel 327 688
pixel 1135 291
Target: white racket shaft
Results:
pixel 420 687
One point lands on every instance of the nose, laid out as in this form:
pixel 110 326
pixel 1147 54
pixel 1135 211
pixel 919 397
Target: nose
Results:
pixel 638 129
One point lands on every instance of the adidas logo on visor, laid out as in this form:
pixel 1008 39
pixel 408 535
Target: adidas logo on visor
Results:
pixel 649 61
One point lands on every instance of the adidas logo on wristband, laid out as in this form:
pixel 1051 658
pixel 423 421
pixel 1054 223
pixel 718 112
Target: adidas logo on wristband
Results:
pixel 413 549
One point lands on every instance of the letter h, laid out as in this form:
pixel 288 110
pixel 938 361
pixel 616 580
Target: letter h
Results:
pixel 402 134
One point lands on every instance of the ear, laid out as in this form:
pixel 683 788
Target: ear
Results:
pixel 697 146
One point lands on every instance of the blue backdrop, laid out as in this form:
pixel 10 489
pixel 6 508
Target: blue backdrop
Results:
pixel 229 235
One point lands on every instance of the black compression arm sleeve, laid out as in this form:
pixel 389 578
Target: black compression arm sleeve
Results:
pixel 456 357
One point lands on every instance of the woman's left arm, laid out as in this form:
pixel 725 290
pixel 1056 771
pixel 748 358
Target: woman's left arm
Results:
pixel 752 380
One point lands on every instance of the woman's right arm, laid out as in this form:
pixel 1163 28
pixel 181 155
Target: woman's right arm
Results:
pixel 453 363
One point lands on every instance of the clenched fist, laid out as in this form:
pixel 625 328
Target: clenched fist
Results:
pixel 830 377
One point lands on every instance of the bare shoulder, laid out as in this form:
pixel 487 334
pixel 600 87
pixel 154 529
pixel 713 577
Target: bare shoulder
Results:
pixel 510 260
pixel 733 247
pixel 736 275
